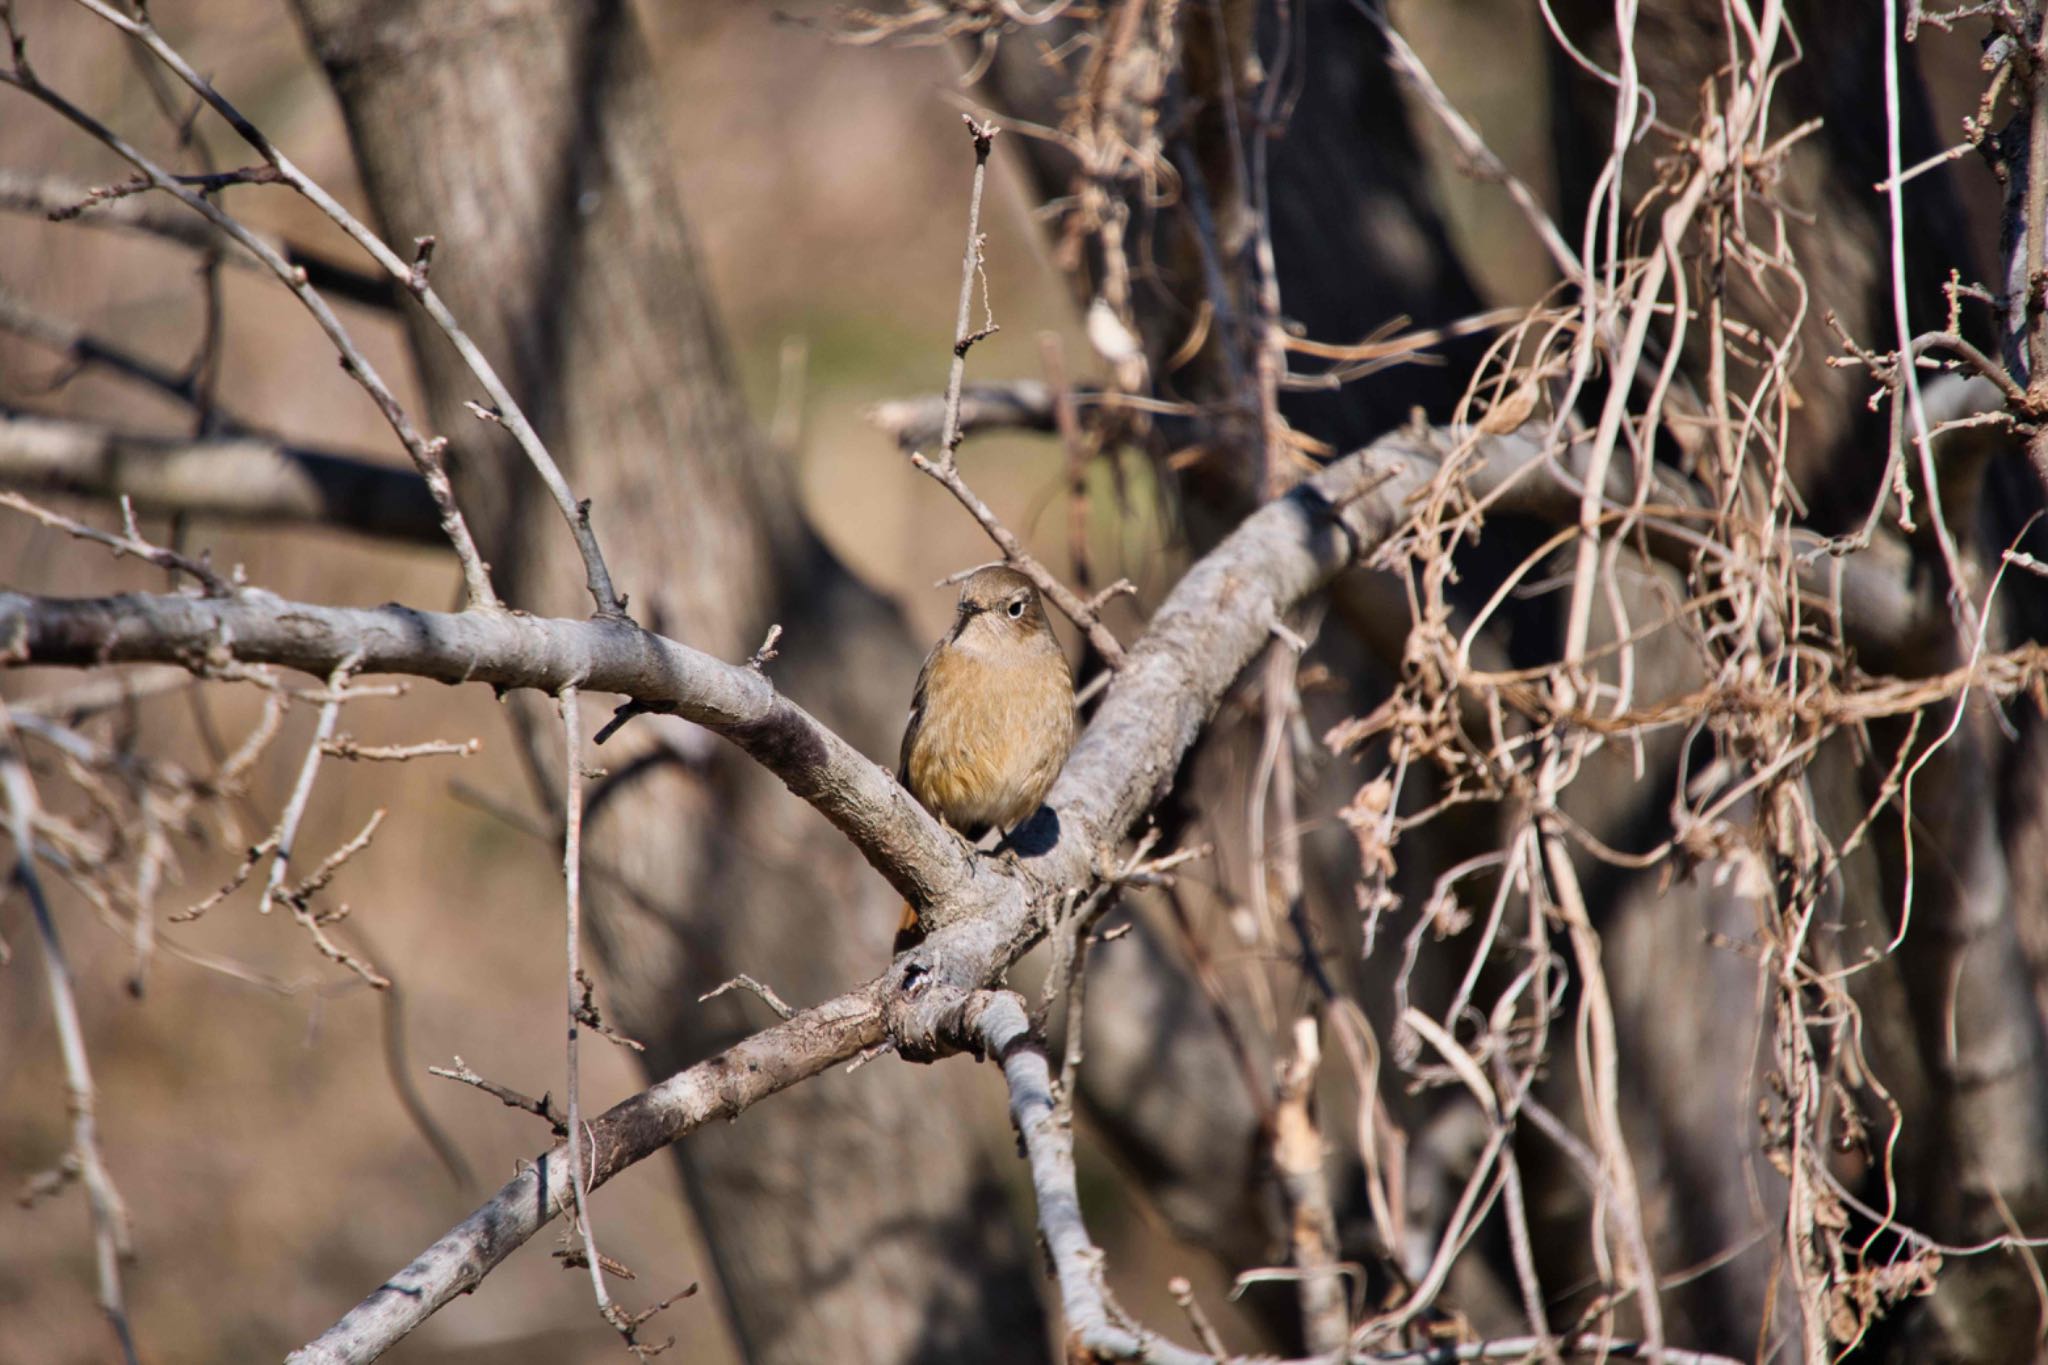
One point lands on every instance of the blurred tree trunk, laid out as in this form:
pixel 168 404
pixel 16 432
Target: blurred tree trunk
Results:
pixel 849 1220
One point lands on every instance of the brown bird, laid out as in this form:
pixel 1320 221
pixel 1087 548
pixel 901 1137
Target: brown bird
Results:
pixel 993 715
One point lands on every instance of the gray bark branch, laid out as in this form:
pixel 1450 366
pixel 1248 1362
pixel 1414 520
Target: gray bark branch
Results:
pixel 244 477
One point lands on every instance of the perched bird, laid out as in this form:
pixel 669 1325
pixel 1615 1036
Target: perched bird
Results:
pixel 993 715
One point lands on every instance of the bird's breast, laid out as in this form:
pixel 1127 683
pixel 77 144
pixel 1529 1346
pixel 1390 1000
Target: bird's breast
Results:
pixel 991 737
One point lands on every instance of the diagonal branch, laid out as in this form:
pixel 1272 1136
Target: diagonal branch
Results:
pixel 412 275
pixel 426 455
pixel 510 651
pixel 750 1071
pixel 73 202
pixel 1203 634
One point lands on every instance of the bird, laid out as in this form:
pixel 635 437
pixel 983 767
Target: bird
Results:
pixel 992 718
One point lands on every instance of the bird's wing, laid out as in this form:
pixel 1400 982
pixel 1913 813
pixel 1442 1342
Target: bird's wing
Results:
pixel 916 717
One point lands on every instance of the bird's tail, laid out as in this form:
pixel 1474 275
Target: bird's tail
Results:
pixel 909 930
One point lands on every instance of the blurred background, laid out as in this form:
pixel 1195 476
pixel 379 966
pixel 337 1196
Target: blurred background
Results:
pixel 247 1106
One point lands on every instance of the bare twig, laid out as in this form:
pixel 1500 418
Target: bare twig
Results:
pixel 767 652
pixel 111 1235
pixel 283 841
pixel 745 982
pixel 128 543
pixel 587 1013
pixel 577 514
pixel 426 455
pixel 1298 1159
pixel 984 135
pixel 541 1108
pixel 287 832
pixel 572 879
pixel 346 746
pixel 332 863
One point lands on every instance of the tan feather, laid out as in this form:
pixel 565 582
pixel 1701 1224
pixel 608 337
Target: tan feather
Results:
pixel 993 715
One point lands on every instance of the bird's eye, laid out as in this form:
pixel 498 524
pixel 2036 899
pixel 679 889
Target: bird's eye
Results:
pixel 1016 608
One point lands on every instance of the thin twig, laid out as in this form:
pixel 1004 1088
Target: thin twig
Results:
pixel 572 879
pixel 745 982
pixel 111 1234
pixel 286 836
pixel 129 544
pixel 984 135
pixel 541 1108
pixel 346 746
pixel 426 454
pixel 587 1013
pixel 414 279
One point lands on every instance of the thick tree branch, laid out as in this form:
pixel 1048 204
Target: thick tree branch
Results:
pixel 508 650
pixel 770 1061
pixel 241 477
